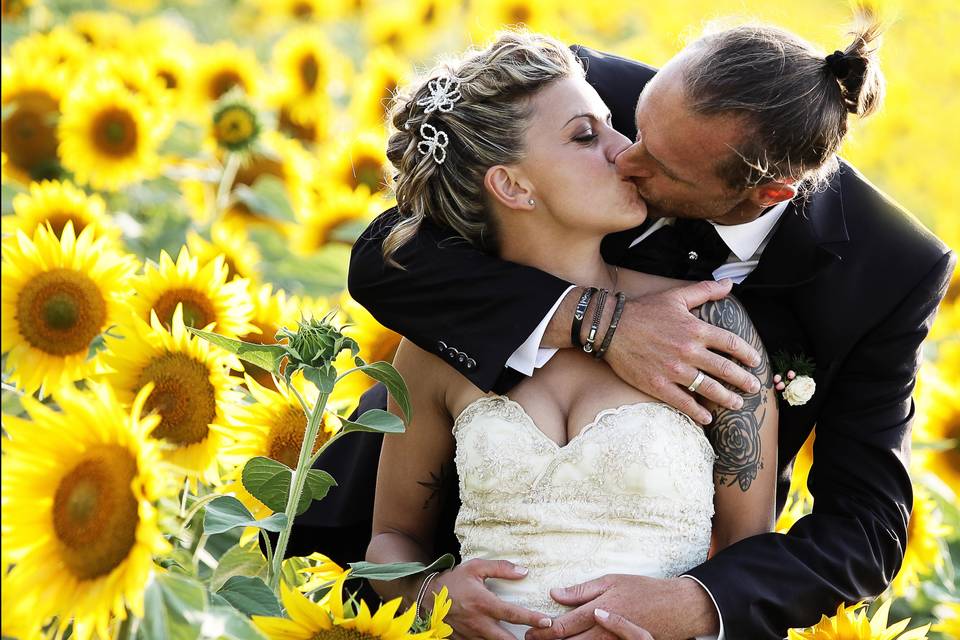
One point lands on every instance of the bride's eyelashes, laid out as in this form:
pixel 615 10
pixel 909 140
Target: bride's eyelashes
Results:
pixel 586 139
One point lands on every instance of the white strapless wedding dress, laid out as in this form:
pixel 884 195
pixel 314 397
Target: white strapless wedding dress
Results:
pixel 631 493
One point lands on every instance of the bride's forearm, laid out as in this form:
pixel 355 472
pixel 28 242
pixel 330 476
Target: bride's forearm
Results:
pixel 396 547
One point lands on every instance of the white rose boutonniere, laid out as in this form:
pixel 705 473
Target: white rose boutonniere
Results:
pixel 795 378
pixel 799 390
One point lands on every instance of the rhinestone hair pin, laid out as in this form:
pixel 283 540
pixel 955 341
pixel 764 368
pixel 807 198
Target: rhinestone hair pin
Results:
pixel 434 143
pixel 444 93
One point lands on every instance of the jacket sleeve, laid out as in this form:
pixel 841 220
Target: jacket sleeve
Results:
pixel 451 299
pixel 852 544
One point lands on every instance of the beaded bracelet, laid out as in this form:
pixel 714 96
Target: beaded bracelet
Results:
pixel 423 591
pixel 614 321
pixel 595 325
pixel 578 315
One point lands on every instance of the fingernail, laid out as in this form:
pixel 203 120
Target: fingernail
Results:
pixel 706 419
pixel 521 570
pixel 600 613
pixel 755 386
pixel 738 403
pixel 545 623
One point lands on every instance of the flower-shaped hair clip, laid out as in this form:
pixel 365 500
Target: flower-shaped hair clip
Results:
pixel 434 142
pixel 444 93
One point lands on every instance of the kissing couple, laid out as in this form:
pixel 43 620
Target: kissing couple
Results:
pixel 653 284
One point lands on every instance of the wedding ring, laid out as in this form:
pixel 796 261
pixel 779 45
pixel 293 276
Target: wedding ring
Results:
pixel 696 382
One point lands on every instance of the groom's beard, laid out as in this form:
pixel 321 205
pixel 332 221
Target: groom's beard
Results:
pixel 695 209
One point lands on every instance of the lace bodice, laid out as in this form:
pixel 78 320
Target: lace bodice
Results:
pixel 631 493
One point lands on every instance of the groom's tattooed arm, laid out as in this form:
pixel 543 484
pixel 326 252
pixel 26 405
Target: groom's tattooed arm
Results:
pixel 735 434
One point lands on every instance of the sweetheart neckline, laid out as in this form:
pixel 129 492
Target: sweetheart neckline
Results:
pixel 528 419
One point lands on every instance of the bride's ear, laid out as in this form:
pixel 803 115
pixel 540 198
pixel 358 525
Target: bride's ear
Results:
pixel 506 186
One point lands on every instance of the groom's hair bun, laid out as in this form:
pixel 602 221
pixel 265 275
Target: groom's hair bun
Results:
pixel 484 127
pixel 795 99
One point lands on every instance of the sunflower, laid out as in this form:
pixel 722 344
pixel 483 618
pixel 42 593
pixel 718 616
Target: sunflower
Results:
pixel 310 70
pixel 17 619
pixel 192 388
pixel 57 203
pixel 321 572
pixel 138 78
pixel 383 72
pixel 924 553
pixel 361 161
pixel 938 416
pixel 271 310
pixel 102 29
pixel 207 298
pixel 311 128
pixel 109 135
pixel 240 255
pixel 486 18
pixel 949 615
pixel 272 426
pixel 336 207
pixel 14 9
pixel 79 488
pixel 305 10
pixel 325 620
pixel 223 66
pixel 235 125
pixel 851 623
pixel 376 343
pixel 439 629
pixel 58 295
pixel 61 49
pixel 390 26
pixel 31 95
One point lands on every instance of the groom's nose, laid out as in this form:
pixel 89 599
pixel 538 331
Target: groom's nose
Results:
pixel 631 162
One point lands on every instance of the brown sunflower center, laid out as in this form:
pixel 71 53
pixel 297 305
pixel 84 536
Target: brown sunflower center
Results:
pixel 305 132
pixel 60 311
pixel 169 78
pixel 58 220
pixel 342 633
pixel 30 133
pixel 302 10
pixel 223 81
pixel 95 512
pixel 309 72
pixel 389 88
pixel 198 309
pixel 368 171
pixel 115 132
pixel 183 396
pixel 286 436
pixel 519 13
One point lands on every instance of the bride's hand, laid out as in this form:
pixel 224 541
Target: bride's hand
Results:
pixel 475 610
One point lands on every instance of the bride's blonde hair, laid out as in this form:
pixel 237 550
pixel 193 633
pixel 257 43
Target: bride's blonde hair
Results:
pixel 485 128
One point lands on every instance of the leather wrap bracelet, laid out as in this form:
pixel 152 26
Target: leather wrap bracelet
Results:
pixel 579 314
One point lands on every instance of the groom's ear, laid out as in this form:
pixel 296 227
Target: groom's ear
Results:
pixel 772 192
pixel 507 185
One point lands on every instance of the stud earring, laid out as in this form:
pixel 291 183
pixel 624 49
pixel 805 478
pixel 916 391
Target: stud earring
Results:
pixel 531 202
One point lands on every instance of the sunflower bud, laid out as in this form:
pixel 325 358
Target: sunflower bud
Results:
pixel 236 124
pixel 316 342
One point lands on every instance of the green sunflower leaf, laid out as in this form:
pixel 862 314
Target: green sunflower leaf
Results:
pixel 376 421
pixel 396 570
pixel 385 373
pixel 251 596
pixel 265 356
pixel 226 513
pixel 269 482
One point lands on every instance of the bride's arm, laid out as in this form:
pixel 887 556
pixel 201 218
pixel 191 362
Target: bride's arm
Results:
pixel 745 441
pixel 412 465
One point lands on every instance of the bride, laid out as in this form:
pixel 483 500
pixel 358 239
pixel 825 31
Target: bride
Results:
pixel 576 474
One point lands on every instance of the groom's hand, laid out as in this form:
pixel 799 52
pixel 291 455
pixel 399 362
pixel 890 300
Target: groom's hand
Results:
pixel 660 346
pixel 668 609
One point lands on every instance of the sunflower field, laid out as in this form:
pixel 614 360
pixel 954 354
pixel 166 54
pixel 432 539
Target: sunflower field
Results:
pixel 175 166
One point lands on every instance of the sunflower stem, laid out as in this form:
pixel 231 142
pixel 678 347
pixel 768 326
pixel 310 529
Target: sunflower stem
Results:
pixel 266 540
pixel 183 497
pixel 296 486
pixel 226 181
pixel 125 630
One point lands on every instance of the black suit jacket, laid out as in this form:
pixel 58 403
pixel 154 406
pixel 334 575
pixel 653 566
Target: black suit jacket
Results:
pixel 849 279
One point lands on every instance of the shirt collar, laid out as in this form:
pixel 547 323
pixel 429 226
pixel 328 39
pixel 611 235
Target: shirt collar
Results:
pixel 744 239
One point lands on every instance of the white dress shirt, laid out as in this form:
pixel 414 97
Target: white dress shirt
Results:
pixel 746 242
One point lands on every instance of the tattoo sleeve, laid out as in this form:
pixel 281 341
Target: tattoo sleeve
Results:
pixel 735 434
pixel 437 484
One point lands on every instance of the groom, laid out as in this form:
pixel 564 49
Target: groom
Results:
pixel 843 278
